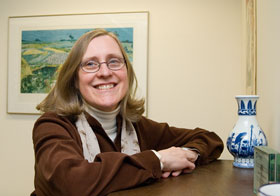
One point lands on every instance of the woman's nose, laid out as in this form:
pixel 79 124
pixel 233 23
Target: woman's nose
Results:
pixel 104 70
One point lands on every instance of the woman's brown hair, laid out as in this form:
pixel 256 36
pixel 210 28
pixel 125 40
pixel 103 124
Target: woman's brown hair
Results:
pixel 65 99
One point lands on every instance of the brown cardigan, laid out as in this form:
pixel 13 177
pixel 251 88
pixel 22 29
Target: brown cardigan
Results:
pixel 60 167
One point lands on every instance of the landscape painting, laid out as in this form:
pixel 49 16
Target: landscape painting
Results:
pixel 44 51
pixel 39 45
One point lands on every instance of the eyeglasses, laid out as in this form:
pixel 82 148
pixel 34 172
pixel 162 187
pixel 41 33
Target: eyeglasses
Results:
pixel 92 66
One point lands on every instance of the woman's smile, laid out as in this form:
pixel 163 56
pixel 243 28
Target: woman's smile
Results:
pixel 105 86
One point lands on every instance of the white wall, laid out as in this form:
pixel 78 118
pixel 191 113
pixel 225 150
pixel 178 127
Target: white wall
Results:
pixel 268 79
pixel 195 69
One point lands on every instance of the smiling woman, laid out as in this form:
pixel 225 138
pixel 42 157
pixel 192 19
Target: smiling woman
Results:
pixel 92 138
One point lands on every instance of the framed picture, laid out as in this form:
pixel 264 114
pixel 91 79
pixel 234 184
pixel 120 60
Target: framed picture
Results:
pixel 38 45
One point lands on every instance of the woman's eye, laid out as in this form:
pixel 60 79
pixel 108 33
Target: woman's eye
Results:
pixel 113 61
pixel 91 64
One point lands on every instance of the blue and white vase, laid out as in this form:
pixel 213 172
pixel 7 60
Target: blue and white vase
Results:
pixel 246 133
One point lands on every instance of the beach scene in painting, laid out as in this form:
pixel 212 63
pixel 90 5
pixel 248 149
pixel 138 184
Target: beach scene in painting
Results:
pixel 43 51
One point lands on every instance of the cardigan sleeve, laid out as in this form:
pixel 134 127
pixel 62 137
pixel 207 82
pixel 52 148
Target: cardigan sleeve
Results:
pixel 60 168
pixel 159 136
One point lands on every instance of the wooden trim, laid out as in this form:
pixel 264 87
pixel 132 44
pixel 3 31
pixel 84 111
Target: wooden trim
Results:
pixel 251 47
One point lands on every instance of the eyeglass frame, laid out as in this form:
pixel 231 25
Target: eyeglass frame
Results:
pixel 123 62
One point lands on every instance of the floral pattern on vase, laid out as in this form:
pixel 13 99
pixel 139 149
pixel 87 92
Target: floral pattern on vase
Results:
pixel 246 133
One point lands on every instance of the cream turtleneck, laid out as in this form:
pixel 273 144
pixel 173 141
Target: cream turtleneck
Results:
pixel 106 119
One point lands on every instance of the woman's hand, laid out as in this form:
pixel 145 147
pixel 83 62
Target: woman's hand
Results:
pixel 176 160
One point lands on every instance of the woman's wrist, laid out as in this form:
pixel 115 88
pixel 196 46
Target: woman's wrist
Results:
pixel 159 157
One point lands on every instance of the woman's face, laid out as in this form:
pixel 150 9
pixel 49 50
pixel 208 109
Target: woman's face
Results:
pixel 105 88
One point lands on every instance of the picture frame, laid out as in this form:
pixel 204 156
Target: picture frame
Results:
pixel 35 40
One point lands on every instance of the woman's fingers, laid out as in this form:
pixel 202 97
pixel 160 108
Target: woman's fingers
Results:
pixel 165 174
pixel 176 173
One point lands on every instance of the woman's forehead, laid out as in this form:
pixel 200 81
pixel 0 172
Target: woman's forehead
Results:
pixel 103 45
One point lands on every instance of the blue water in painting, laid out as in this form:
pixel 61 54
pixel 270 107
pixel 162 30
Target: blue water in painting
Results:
pixel 124 34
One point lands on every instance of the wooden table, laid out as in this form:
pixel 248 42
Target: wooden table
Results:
pixel 218 178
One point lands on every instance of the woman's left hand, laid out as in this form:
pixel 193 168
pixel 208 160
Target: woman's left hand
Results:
pixel 192 157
